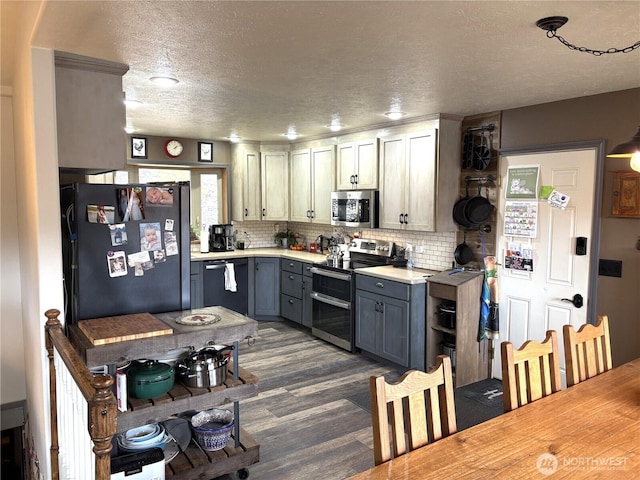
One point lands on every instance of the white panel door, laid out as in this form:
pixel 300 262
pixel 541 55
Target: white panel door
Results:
pixel 531 303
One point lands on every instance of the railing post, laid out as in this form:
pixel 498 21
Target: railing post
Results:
pixel 53 322
pixel 103 414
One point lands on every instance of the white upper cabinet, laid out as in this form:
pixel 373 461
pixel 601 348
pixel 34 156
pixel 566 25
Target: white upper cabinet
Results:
pixel 312 181
pixel 246 186
pixel 275 186
pixel 358 165
pixel 419 176
pixel 260 188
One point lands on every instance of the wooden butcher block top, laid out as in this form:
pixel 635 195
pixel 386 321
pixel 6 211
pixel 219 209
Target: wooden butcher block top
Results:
pixel 101 331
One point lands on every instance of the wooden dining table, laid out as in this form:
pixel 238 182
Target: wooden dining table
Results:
pixel 590 430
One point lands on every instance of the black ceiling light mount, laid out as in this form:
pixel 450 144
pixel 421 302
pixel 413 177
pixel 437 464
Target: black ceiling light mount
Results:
pixel 552 24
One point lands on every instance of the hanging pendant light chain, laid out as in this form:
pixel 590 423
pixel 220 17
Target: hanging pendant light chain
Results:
pixel 597 53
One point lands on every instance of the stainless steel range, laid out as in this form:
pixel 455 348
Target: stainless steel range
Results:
pixel 333 317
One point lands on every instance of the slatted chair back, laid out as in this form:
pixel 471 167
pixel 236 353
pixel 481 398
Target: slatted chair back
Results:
pixel 587 352
pixel 531 372
pixel 419 407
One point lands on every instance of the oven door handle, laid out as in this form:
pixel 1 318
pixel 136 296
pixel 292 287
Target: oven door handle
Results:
pixel 330 300
pixel 329 273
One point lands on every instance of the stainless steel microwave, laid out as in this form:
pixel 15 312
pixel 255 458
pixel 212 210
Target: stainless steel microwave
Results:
pixel 355 208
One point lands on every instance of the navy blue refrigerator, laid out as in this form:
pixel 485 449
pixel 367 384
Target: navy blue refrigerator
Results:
pixel 125 249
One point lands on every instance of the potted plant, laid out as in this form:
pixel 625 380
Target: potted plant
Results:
pixel 285 238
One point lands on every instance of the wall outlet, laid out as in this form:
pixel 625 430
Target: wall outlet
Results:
pixel 419 248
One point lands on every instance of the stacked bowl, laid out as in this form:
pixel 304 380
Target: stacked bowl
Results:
pixel 148 436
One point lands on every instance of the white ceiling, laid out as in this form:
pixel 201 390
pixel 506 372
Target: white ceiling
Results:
pixel 255 68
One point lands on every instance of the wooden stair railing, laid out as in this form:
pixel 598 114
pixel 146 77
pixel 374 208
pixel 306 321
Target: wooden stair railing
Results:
pixel 96 390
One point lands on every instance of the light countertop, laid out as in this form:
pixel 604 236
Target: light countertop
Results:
pixel 261 252
pixel 404 275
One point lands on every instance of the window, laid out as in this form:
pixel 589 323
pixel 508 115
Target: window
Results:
pixel 208 189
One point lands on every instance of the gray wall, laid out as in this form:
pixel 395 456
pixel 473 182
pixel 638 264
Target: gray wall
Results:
pixel 614 117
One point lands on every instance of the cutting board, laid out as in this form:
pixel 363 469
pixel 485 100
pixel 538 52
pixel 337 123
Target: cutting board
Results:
pixel 101 331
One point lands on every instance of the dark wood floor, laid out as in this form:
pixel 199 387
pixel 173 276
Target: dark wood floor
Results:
pixel 311 417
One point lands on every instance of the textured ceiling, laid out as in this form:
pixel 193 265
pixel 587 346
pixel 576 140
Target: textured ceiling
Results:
pixel 255 68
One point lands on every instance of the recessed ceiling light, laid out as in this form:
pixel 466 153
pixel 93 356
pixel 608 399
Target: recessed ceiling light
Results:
pixel 234 138
pixel 394 115
pixel 291 133
pixel 335 125
pixel 164 81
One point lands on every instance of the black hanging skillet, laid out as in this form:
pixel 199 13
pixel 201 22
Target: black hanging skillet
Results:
pixel 458 210
pixel 463 252
pixel 477 209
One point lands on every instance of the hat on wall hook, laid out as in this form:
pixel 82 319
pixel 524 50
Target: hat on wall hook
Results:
pixel 552 24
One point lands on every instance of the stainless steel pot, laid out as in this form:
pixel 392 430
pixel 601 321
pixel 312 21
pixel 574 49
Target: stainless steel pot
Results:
pixel 205 368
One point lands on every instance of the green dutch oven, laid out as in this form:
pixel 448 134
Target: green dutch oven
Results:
pixel 150 379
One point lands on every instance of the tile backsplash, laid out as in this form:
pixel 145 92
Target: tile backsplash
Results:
pixel 437 254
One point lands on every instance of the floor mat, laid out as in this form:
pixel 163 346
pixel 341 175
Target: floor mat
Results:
pixel 487 392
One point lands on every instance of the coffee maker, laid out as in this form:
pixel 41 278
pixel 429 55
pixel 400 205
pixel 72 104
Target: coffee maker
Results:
pixel 220 238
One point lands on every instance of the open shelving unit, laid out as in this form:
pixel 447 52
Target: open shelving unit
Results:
pixel 472 357
pixel 193 462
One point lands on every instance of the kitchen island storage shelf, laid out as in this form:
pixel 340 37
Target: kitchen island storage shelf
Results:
pixel 193 463
pixel 464 288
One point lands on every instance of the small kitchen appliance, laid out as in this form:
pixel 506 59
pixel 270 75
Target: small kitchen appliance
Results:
pixel 221 238
pixel 141 465
pixel 355 208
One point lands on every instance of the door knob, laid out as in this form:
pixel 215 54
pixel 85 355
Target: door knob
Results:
pixel 577 300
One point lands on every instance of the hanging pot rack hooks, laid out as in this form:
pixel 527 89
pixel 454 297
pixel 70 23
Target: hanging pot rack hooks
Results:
pixel 487 179
pixel 482 128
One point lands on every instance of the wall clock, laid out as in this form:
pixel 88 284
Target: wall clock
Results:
pixel 173 148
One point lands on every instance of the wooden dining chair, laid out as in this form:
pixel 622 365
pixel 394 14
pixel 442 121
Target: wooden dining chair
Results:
pixel 587 352
pixel 419 406
pixel 531 372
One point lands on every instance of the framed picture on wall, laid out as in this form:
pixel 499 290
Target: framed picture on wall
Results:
pixel 205 152
pixel 626 195
pixel 138 147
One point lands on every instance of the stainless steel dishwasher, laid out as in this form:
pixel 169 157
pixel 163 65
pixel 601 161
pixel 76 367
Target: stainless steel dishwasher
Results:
pixel 215 292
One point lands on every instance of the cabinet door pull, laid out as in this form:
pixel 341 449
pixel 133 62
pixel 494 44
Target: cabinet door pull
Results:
pixel 290 301
pixel 291 277
pixel 406 219
pixel 313 214
pixel 264 212
pixel 246 212
pixel 379 285
pixel 356 178
pixel 400 219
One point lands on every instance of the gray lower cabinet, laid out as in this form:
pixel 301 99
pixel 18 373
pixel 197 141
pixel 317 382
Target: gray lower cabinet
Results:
pixel 390 320
pixel 295 286
pixel 197 286
pixel 307 301
pixel 265 272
